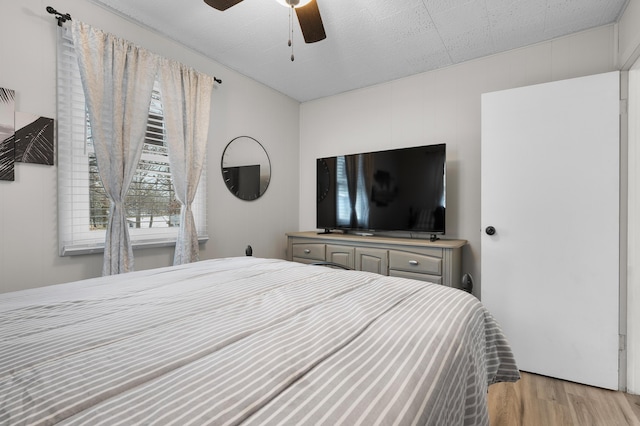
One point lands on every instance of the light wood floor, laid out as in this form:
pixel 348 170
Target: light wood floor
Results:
pixel 542 401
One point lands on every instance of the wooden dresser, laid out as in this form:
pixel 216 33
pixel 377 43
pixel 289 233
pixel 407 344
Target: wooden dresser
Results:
pixel 438 261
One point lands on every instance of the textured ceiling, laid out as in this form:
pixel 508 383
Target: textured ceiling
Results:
pixel 368 41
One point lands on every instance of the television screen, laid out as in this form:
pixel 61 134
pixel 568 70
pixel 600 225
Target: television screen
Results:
pixel 394 190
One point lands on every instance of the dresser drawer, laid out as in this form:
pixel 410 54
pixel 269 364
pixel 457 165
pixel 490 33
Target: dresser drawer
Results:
pixel 310 251
pixel 414 276
pixel 436 261
pixel 342 255
pixel 418 263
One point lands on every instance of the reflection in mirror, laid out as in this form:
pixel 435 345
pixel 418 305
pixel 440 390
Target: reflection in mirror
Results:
pixel 246 169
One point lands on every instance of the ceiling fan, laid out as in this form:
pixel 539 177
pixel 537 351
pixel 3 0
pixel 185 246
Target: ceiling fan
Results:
pixel 306 10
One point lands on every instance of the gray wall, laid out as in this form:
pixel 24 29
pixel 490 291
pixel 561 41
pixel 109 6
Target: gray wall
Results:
pixel 28 206
pixel 629 35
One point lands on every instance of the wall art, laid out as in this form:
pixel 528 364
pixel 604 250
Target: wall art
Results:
pixel 33 139
pixel 7 134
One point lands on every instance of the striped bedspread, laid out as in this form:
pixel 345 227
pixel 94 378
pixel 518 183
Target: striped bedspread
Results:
pixel 248 341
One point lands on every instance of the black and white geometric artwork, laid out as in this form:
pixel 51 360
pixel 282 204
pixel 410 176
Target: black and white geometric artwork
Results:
pixel 34 139
pixel 7 134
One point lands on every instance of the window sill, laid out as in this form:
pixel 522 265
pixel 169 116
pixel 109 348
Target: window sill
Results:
pixel 78 250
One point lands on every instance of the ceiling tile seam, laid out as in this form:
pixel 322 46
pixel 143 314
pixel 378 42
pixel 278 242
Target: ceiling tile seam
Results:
pixel 435 25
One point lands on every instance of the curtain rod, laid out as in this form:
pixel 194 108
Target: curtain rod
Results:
pixel 64 17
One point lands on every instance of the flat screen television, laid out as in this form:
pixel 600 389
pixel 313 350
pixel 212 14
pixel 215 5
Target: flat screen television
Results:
pixel 394 190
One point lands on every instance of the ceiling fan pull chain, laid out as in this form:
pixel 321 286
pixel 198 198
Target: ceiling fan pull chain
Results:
pixel 291 31
pixel 289 34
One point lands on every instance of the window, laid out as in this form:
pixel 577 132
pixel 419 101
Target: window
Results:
pixel 151 200
pixel 152 210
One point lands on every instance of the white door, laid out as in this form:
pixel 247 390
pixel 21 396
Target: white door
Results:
pixel 550 189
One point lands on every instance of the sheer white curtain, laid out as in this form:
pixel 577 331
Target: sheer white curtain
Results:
pixel 186 94
pixel 117 78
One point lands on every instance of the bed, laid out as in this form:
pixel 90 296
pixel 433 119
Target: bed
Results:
pixel 248 341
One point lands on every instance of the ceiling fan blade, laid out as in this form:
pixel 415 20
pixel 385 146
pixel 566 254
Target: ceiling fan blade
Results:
pixel 311 22
pixel 222 4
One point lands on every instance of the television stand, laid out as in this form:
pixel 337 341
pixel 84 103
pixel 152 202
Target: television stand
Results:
pixel 435 261
pixel 433 238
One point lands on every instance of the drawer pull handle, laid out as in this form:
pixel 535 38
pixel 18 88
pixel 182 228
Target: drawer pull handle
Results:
pixel 413 263
pixel 307 251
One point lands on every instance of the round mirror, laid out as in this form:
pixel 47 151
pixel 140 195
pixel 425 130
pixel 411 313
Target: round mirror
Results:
pixel 246 169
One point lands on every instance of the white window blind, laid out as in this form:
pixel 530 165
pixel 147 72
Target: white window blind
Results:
pixel 153 213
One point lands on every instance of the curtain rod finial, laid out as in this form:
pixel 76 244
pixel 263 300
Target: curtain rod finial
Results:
pixel 61 17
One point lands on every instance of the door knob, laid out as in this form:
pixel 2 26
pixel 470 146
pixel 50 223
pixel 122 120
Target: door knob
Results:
pixel 490 230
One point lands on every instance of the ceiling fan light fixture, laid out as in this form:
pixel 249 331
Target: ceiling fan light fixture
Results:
pixel 294 3
pixel 306 11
